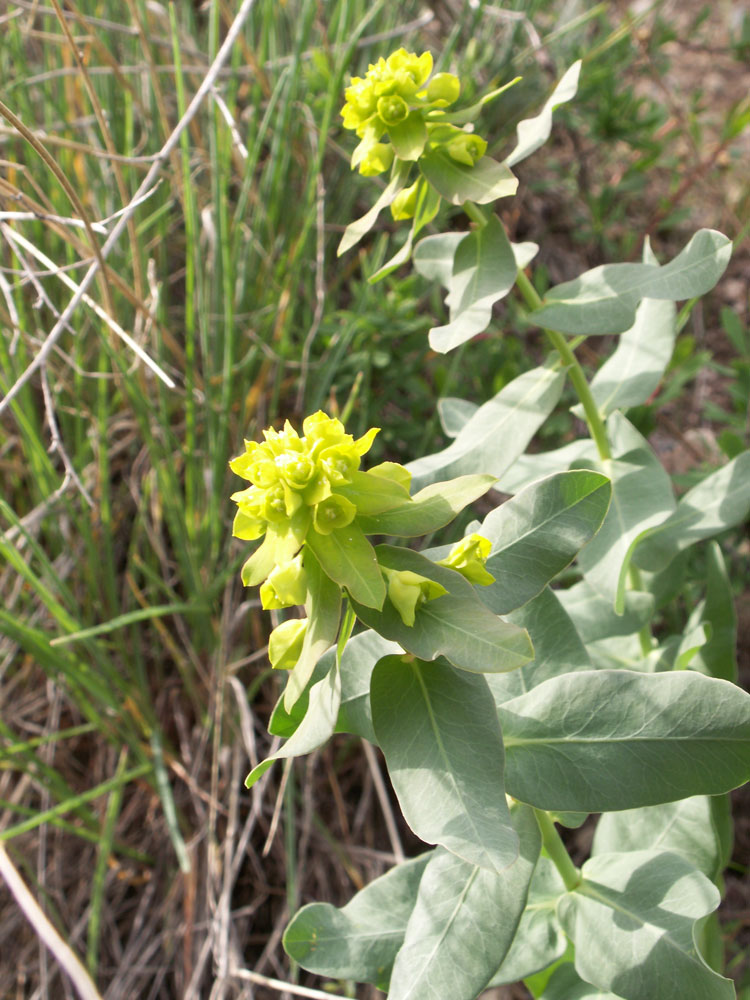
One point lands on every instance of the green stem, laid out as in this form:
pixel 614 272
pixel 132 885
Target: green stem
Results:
pixel 475 213
pixel 644 636
pixel 597 428
pixel 593 418
pixel 555 848
pixel 531 297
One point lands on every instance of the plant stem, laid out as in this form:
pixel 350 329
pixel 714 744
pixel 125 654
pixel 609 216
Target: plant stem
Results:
pixel 593 418
pixel 555 848
pixel 597 428
pixel 475 213
pixel 531 297
pixel 644 636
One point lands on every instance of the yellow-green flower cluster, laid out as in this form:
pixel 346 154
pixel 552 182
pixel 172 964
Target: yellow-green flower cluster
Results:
pixel 295 484
pixel 391 87
pixel 399 97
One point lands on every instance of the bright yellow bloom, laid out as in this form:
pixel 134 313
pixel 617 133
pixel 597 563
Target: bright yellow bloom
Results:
pixel 294 489
pixel 398 93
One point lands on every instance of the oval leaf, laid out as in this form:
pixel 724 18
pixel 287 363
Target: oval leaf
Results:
pixel 719 502
pixel 604 300
pixel 688 827
pixel 631 375
pixel 539 940
pixel 463 922
pixel 632 921
pixel 315 729
pixel 357 229
pixel 614 739
pixel 557 647
pixel 484 271
pixel 360 940
pixel 499 430
pixel 439 732
pixel 642 499
pixel 539 532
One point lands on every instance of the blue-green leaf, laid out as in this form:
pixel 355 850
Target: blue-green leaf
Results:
pixel 534 132
pixel 687 827
pixel 463 922
pixel 315 729
pixel 591 741
pixel 357 229
pixel 539 940
pixel 539 532
pixel 457 625
pixel 720 501
pixel 357 663
pixel 604 300
pixel 718 658
pixel 438 730
pixel 633 922
pixel 454 413
pixel 499 431
pixel 428 203
pixel 557 647
pixel 633 372
pixel 359 941
pixel 594 616
pixel 484 271
pixel 641 499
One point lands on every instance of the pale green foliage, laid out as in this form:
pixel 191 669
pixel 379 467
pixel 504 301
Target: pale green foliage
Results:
pixel 503 702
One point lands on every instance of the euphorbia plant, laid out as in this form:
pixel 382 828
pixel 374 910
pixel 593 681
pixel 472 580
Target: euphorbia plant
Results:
pixel 505 704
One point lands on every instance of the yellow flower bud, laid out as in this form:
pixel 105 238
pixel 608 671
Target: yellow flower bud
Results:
pixel 404 205
pixel 392 110
pixel 466 148
pixel 285 643
pixel 468 557
pixel 407 590
pixel 443 89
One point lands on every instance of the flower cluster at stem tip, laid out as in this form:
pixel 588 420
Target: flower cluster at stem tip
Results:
pixel 297 485
pixel 303 488
pixel 399 99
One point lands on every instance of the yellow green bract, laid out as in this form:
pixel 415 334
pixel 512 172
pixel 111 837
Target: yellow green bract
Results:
pixel 407 590
pixel 300 485
pixel 468 557
pixel 292 474
pixel 396 99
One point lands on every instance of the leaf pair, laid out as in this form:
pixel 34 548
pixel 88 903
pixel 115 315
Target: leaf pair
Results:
pixel 442 925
